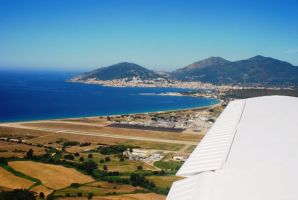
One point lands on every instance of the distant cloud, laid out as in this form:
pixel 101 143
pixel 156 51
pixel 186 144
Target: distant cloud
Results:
pixel 291 51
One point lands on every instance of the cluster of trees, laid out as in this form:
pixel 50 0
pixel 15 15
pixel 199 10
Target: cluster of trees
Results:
pixel 3 161
pixel 79 194
pixel 140 180
pixel 46 158
pixel 71 143
pixel 19 194
pixel 112 149
pixel 69 157
pixel 88 166
pixel 84 144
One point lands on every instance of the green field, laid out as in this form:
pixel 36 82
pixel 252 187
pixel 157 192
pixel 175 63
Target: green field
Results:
pixel 163 182
pixel 154 145
pixel 126 166
pixel 190 149
pixel 168 165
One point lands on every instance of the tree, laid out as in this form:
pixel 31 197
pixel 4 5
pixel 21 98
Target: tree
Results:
pixel 85 144
pixel 152 185
pixel 90 155
pixel 71 143
pixel 41 195
pixel 75 185
pixel 50 197
pixel 162 172
pixel 3 161
pixel 89 166
pixel 76 154
pixel 18 194
pixel 29 154
pixel 90 195
pixel 137 179
pixel 107 159
pixel 79 194
pixel 69 157
pixel 139 167
pixel 105 167
pixel 113 149
pixel 81 159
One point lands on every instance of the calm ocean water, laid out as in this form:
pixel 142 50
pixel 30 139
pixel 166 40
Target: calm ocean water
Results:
pixel 45 95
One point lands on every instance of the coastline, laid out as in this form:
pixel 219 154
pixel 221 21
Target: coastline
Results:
pixel 113 115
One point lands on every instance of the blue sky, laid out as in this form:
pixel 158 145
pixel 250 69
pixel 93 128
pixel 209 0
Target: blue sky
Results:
pixel 158 34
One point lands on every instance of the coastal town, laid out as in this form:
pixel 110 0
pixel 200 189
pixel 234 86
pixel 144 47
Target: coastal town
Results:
pixel 156 82
pixel 199 89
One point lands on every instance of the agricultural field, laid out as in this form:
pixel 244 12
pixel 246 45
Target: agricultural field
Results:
pixel 51 176
pixel 99 188
pixel 13 149
pixel 148 196
pixel 9 180
pixel 41 188
pixel 138 196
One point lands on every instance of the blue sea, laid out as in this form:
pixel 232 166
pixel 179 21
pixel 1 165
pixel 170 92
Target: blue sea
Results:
pixel 46 95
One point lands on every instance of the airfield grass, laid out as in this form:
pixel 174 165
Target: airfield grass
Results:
pixel 117 131
pixel 190 148
pixel 154 145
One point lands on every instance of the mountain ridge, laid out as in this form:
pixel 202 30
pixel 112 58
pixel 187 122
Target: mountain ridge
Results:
pixel 255 70
pixel 120 70
pixel 258 70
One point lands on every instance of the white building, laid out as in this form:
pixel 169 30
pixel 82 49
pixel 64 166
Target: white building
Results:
pixel 250 153
pixel 180 157
pixel 137 154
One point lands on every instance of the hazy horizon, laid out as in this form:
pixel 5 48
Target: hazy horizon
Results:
pixel 85 69
pixel 159 35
